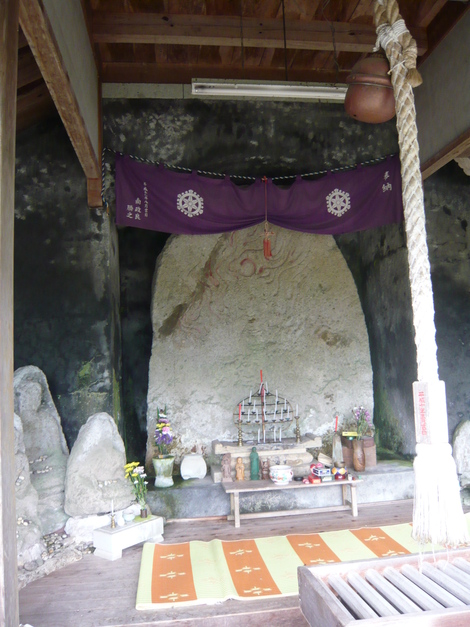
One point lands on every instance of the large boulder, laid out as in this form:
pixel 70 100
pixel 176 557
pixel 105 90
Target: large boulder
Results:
pixel 45 444
pixel 95 471
pixel 221 312
pixel 461 450
pixel 29 540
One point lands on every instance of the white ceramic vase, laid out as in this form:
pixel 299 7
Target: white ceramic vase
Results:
pixel 163 467
pixel 193 466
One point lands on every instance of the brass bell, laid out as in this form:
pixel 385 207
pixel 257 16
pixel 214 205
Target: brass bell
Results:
pixel 370 93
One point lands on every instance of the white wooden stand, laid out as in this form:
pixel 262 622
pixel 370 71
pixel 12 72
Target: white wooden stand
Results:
pixel 109 542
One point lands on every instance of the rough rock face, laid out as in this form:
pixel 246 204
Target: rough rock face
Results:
pixel 221 312
pixel 29 537
pixel 461 451
pixel 44 443
pixel 95 471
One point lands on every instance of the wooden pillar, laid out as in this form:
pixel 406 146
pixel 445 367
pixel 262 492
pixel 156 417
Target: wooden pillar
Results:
pixel 8 70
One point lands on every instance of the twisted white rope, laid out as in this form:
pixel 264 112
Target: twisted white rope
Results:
pixel 395 45
pixel 389 33
pixel 437 515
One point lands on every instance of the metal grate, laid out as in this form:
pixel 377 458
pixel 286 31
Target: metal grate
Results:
pixel 403 590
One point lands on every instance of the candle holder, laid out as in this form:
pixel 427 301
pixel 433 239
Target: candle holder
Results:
pixel 262 409
pixel 297 430
pixel 113 521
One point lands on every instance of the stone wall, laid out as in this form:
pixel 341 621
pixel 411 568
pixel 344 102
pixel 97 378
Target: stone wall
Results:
pixel 447 200
pixel 66 280
pixel 379 263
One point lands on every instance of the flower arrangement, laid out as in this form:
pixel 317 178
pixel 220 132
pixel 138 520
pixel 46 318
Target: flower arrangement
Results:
pixel 163 433
pixel 136 474
pixel 363 422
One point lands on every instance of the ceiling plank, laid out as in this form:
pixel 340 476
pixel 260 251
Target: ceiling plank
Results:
pixel 42 41
pixel 183 73
pixel 28 71
pixel 33 105
pixel 443 24
pixel 225 31
pixel 427 12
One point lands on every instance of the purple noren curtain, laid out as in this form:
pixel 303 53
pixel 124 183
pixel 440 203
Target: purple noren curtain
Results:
pixel 153 197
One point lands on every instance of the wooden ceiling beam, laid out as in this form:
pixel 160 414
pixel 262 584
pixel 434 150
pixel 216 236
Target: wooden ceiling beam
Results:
pixel 207 30
pixel 183 73
pixel 428 10
pixel 42 41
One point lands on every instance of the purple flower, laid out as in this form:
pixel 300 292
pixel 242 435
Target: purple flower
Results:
pixel 363 419
pixel 163 434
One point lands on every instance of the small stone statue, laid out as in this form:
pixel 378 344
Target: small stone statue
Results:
pixel 240 470
pixel 265 470
pixel 227 467
pixel 254 464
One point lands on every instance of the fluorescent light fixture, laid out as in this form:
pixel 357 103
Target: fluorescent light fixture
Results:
pixel 281 91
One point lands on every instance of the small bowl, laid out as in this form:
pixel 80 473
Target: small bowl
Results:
pixel 281 474
pixel 128 516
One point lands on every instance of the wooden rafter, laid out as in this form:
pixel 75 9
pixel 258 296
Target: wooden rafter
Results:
pixel 38 31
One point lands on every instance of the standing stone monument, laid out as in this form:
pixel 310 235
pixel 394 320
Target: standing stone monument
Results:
pixel 461 452
pixel 221 313
pixel 44 443
pixel 95 472
pixel 29 540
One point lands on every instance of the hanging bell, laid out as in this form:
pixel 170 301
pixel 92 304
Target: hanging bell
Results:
pixel 370 93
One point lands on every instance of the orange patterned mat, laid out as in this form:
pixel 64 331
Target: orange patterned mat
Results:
pixel 211 572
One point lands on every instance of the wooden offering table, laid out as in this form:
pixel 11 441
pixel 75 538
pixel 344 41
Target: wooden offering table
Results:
pixel 236 488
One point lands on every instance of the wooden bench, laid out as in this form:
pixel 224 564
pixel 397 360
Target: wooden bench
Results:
pixel 236 488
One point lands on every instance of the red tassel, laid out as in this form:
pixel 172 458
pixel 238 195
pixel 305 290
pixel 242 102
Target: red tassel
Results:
pixel 267 248
pixel 267 234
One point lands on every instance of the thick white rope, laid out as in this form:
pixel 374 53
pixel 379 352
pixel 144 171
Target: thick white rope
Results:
pixel 413 203
pixel 438 515
pixel 390 33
